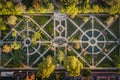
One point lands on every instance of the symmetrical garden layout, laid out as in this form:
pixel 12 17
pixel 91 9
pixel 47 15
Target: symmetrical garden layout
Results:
pixel 89 37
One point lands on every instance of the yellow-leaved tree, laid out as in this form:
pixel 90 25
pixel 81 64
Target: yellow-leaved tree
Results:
pixel 73 65
pixel 46 67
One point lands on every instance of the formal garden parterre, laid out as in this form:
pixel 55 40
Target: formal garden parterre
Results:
pixel 76 36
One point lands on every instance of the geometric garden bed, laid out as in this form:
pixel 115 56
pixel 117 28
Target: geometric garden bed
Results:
pixel 89 37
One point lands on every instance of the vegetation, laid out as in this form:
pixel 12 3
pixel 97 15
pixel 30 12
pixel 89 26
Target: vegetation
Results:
pixel 117 61
pixel 71 10
pixel 2 24
pixel 60 56
pixel 86 73
pixel 42 6
pixel 37 4
pixel 71 7
pixel 15 46
pixel 6 48
pixel 12 20
pixel 9 8
pixel 18 56
pixel 69 2
pixel 46 67
pixel 110 19
pixel 27 3
pixel 36 37
pixel 14 33
pixel 20 8
pixel 73 65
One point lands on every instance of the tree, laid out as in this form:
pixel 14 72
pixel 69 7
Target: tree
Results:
pixel 9 4
pixel 15 46
pixel 111 2
pixel 85 6
pixel 12 20
pixel 37 4
pixel 20 8
pixel 60 56
pixel 36 37
pixel 69 2
pixel 116 60
pixel 73 65
pixel 1 5
pixel 2 24
pixel 27 3
pixel 96 8
pixel 46 67
pixel 71 10
pixel 6 48
pixel 115 9
pixel 6 8
pixel 113 6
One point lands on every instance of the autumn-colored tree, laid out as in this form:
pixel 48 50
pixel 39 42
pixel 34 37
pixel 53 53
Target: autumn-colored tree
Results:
pixel 12 20
pixel 46 68
pixel 6 48
pixel 73 65
pixel 37 4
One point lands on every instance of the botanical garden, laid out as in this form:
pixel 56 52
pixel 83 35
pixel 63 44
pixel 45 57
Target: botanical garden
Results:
pixel 59 40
